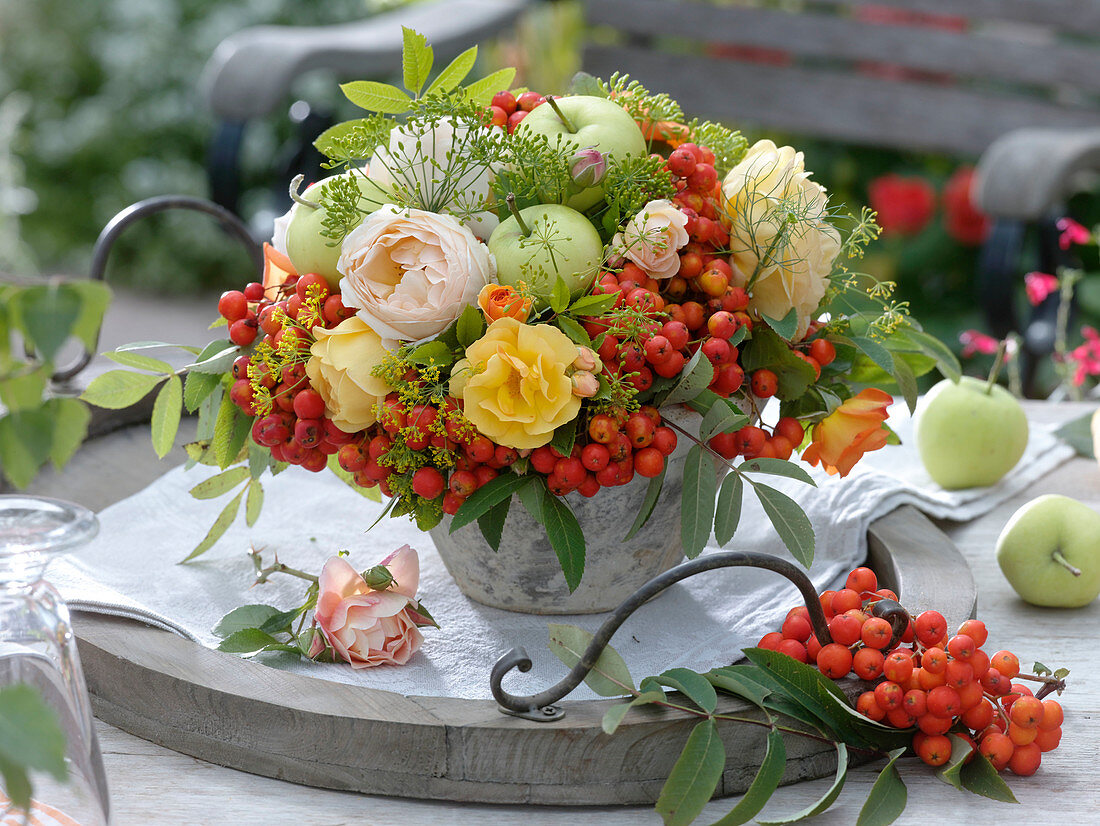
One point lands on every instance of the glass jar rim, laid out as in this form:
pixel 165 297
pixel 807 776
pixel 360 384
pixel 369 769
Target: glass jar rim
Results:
pixel 31 524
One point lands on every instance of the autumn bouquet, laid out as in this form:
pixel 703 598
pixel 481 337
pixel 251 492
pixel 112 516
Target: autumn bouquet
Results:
pixel 499 292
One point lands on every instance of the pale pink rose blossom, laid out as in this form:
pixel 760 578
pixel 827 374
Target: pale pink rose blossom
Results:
pixel 653 238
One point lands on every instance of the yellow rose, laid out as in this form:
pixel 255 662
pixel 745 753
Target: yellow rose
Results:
pixel 769 194
pixel 339 368
pixel 518 390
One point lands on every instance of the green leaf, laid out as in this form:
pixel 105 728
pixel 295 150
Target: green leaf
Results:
pixel 733 682
pixel 697 504
pixel 46 315
pixel 281 622
pixel 574 330
pixel 434 352
pixel 224 426
pixel 26 438
pixel 789 521
pixel 614 715
pixel 217 357
pixel 829 797
pixel 763 785
pixel 153 345
pixel 907 383
pixel 876 352
pixel 585 84
pixel 533 497
pixel 482 91
pixel 727 514
pixel 979 776
pixel 196 387
pixel 559 295
pixel 224 482
pixel 70 426
pixel 960 750
pixel 592 305
pixel 24 391
pixel 888 796
pixel 255 468
pixel 566 537
pixel 254 503
pixel 471 326
pixel 166 416
pixel 16 783
pixel 95 296
pixel 30 732
pixel 1077 433
pixel 247 641
pixel 220 526
pixel 694 777
pixel 455 73
pixel 696 376
pixel 492 522
pixel 326 142
pixel 609 677
pixel 481 500
pixel 932 346
pixel 247 616
pixel 140 362
pixel 117 389
pixel 416 59
pixel 777 467
pixel 694 686
pixel 721 417
pixel 767 350
pixel 377 97
pixel 649 502
pixel 786 327
pixel 565 436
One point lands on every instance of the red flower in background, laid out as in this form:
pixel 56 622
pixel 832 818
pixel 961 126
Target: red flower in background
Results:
pixel 1072 233
pixel 1038 285
pixel 962 219
pixel 975 341
pixel 904 205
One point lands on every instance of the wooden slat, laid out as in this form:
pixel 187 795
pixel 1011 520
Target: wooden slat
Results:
pixel 831 36
pixel 834 105
pixel 1076 16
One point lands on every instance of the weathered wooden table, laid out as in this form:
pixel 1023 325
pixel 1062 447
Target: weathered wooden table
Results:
pixel 151 784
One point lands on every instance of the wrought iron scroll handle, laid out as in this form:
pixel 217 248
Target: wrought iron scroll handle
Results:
pixel 150 206
pixel 540 706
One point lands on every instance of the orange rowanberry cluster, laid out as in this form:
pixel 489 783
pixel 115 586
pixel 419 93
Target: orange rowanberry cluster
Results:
pixel 926 679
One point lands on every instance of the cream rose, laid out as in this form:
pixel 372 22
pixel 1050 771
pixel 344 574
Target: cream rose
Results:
pixel 783 246
pixel 652 239
pixel 340 368
pixel 425 161
pixel 410 273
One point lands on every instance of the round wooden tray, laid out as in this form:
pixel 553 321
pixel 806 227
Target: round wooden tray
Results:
pixel 241 714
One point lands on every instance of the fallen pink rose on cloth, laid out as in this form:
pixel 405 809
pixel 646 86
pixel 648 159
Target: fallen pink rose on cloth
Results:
pixel 368 627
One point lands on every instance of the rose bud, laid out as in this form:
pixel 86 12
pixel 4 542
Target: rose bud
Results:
pixel 589 166
pixel 585 385
pixel 587 359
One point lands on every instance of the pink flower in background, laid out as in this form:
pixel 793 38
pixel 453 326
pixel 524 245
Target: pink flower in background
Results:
pixel 1038 285
pixel 975 341
pixel 367 627
pixel 1085 358
pixel 1072 233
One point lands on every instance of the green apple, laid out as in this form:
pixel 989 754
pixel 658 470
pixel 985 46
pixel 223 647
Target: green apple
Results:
pixel 542 242
pixel 306 247
pixel 1049 552
pixel 969 433
pixel 588 121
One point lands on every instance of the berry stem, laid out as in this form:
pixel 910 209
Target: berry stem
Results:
pixel 557 110
pixel 1061 560
pixel 511 201
pixel 1050 684
pixel 998 362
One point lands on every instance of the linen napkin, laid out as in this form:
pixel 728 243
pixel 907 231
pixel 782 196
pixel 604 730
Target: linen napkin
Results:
pixel 131 569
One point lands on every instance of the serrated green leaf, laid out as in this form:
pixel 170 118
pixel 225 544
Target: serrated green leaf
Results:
pixel 377 97
pixel 577 334
pixel 696 376
pixel 165 421
pixel 247 641
pixel 888 796
pixel 786 327
pixel 326 142
pixel 46 315
pixel 416 59
pixel 876 352
pixel 649 502
pixel 559 295
pixel 614 715
pixel 583 83
pixel 960 750
pixel 220 526
pixel 481 500
pixel 26 438
pixel 280 622
pixel 471 326
pixel 789 521
pixel 763 785
pixel 727 512
pixel 697 505
pixel 70 426
pixel 732 682
pixel 24 391
pixel 566 538
pixel 564 438
pixel 117 389
pixel 979 776
pixel 254 503
pixel 609 676
pixel 246 616
pixel 946 361
pixel 217 357
pixel 827 799
pixel 224 427
pixel 482 91
pixel 492 521
pixel 434 352
pixel 220 484
pixel 694 777
pixel 694 686
pixel 907 383
pixel 532 497
pixel 592 305
pixel 777 467
pixel 455 73
pixel 196 387
pixel 140 362
pixel 721 417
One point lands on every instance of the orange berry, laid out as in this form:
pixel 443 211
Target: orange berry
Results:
pixel 1026 712
pixel 934 660
pixel 997 748
pixel 1048 738
pixel 889 695
pixel 934 749
pixel 1052 715
pixel 1006 662
pixel 1025 760
pixel 834 660
pixel 934 724
pixel 898 667
pixel 862 579
pixel 1020 735
pixel 976 630
pixel 876 633
pixel 867 663
pixel 979 717
pixel 867 706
